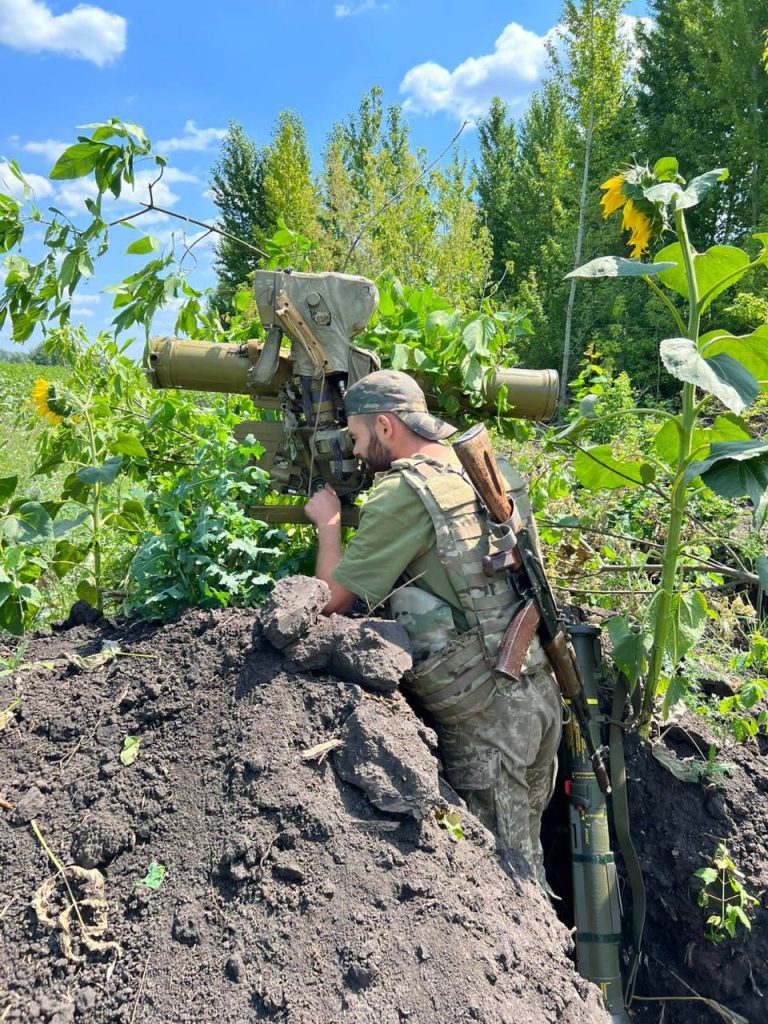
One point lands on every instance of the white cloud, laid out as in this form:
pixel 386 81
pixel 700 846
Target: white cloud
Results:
pixel 350 10
pixel 73 193
pixel 51 149
pixel 192 138
pixel 11 185
pixel 512 71
pixel 176 175
pixel 86 32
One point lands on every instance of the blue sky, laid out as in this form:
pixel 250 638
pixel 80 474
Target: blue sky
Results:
pixel 183 70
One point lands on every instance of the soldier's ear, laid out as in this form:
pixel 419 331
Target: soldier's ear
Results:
pixel 384 421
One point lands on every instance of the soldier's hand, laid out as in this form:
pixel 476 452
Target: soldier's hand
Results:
pixel 324 508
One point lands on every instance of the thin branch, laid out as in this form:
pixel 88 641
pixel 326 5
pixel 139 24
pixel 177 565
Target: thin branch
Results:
pixel 131 216
pixel 397 195
pixel 190 247
pixel 736 574
pixel 190 220
pixel 667 302
pixel 601 533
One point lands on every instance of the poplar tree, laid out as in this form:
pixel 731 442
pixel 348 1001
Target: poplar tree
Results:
pixel 290 194
pixel 423 227
pixel 591 69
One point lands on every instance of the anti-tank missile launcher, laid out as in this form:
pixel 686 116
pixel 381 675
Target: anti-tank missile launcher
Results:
pixel 319 315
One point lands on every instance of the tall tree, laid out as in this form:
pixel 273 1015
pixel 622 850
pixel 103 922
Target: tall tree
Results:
pixel 289 190
pixel 542 208
pixel 495 173
pixel 591 67
pixel 421 226
pixel 237 187
pixel 704 99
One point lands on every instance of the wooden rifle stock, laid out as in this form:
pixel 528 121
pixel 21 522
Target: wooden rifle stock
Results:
pixel 477 458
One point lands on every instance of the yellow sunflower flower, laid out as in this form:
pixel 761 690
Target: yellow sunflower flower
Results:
pixel 634 221
pixel 613 199
pixel 49 402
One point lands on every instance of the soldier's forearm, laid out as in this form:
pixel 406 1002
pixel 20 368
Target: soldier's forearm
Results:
pixel 328 557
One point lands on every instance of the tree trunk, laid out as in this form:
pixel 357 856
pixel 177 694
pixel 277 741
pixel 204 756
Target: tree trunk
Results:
pixel 577 251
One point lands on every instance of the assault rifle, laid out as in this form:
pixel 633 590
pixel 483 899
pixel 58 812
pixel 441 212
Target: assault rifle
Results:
pixel 596 904
pixel 539 612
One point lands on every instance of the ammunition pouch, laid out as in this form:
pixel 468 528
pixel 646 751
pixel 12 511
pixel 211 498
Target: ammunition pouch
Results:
pixel 456 683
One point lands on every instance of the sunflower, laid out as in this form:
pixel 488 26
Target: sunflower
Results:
pixel 613 199
pixel 633 219
pixel 639 227
pixel 49 402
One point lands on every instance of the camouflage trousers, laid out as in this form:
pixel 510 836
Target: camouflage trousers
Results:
pixel 501 761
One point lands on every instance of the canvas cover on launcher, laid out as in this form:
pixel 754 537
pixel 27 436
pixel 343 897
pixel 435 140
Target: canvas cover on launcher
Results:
pixel 336 307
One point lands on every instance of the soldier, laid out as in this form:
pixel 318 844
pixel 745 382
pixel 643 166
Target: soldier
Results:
pixel 423 522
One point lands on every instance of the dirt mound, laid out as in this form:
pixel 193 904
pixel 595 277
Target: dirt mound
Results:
pixel 301 885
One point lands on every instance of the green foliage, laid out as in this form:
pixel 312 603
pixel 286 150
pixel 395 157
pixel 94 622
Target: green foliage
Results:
pixel 24 527
pixel 675 616
pixel 451 821
pixel 608 396
pixel 723 895
pixel 449 351
pixel 130 750
pixel 154 877
pixel 205 549
pixel 745 714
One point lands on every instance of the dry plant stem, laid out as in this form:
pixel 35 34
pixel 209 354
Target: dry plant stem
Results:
pixel 140 989
pixel 5 804
pixel 602 593
pixel 601 533
pixel 61 870
pixel 8 906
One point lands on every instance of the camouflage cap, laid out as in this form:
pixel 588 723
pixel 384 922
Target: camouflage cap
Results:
pixel 392 391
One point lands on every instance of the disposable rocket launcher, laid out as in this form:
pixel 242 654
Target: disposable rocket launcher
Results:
pixel 302 371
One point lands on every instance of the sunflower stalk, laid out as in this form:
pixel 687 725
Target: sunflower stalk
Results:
pixel 96 524
pixel 720 453
pixel 677 499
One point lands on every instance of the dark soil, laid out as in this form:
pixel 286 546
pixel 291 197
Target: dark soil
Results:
pixel 676 827
pixel 298 888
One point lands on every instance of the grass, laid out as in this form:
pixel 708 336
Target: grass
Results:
pixel 20 427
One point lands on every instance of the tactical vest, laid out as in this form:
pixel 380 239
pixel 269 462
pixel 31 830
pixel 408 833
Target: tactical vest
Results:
pixel 459 681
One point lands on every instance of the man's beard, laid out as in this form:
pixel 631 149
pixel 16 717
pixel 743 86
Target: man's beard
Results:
pixel 379 457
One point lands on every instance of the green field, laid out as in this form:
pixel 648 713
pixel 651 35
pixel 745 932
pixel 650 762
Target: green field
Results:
pixel 20 428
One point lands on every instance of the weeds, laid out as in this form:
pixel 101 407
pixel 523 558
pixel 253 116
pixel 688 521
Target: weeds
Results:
pixel 724 895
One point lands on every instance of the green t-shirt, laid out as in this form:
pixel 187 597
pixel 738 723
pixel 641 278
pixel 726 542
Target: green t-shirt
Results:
pixel 396 536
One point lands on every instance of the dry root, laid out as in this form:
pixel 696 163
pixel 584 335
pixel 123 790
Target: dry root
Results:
pixel 90 910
